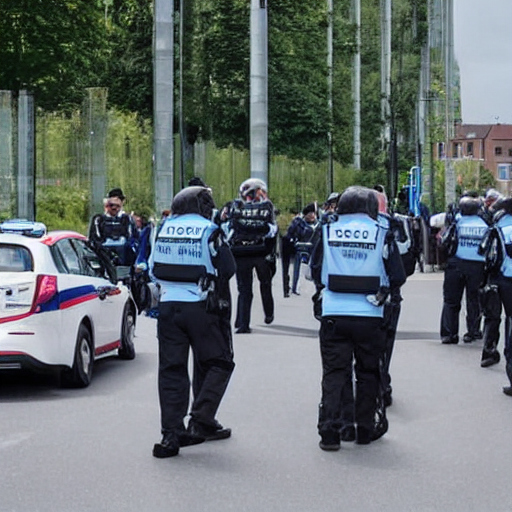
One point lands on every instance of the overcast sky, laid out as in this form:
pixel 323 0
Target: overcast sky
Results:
pixel 483 49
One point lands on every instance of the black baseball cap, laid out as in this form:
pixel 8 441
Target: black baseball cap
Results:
pixel 117 192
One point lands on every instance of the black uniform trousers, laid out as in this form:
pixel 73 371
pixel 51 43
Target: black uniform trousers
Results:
pixel 265 270
pixel 181 326
pixel 391 316
pixel 461 275
pixel 505 292
pixel 491 309
pixel 344 339
pixel 287 255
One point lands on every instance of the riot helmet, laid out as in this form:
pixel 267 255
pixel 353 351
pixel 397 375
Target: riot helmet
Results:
pixel 504 204
pixel 358 199
pixel 193 200
pixel 249 189
pixel 469 205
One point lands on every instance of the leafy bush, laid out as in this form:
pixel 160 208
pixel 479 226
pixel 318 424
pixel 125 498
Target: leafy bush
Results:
pixel 63 207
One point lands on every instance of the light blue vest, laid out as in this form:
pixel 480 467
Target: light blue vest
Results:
pixel 180 256
pixel 353 265
pixel 470 232
pixel 504 226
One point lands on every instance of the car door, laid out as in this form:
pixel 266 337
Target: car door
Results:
pixel 112 295
pixel 79 293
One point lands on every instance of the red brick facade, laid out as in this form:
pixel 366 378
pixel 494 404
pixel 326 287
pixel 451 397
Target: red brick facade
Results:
pixel 491 144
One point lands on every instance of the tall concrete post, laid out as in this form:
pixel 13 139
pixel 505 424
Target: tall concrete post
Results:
pixel 330 58
pixel 26 208
pixel 449 172
pixel 7 153
pixel 96 122
pixel 356 83
pixel 163 102
pixel 259 90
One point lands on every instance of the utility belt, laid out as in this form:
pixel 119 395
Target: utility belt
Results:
pixel 250 247
pixel 194 274
pixel 366 285
pixel 179 273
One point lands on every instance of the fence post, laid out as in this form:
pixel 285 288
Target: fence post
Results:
pixel 26 208
pixel 7 152
pixel 96 121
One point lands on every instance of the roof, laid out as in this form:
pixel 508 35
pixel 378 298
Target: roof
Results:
pixel 501 132
pixel 483 131
pixel 472 131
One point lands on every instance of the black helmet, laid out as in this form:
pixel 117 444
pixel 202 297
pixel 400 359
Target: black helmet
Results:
pixel 358 199
pixel 469 205
pixel 193 200
pixel 504 204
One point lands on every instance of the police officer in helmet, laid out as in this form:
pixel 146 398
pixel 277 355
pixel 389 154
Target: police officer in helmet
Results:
pixel 188 257
pixel 252 230
pixel 497 248
pixel 115 230
pixel 355 262
pixel 464 271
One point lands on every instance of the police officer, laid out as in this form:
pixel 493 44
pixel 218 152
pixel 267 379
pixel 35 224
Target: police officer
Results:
pixel 301 232
pixel 497 248
pixel 252 230
pixel 115 229
pixel 499 261
pixel 188 257
pixel 464 271
pixel 399 226
pixel 356 261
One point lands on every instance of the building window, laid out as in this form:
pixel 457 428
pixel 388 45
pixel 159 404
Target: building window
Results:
pixel 470 149
pixel 497 151
pixel 504 171
pixel 440 150
pixel 510 152
pixel 456 150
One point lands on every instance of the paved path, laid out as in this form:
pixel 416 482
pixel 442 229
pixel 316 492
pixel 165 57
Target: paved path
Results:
pixel 448 447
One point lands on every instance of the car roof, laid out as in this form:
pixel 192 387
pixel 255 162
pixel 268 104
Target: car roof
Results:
pixel 39 247
pixel 49 239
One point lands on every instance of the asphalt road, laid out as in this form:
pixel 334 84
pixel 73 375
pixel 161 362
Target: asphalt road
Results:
pixel 448 447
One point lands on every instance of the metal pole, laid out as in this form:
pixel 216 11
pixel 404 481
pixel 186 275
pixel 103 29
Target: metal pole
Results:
pixel 448 41
pixel 26 156
pixel 356 84
pixel 385 6
pixel 259 91
pixel 182 120
pixel 163 83
pixel 330 163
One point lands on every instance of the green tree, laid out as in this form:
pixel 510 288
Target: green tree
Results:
pixel 129 71
pixel 53 48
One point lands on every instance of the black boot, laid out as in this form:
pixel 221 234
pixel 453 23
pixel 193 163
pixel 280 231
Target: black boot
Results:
pixel 169 446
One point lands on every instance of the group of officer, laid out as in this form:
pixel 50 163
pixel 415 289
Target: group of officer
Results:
pixel 478 244
pixel 359 258
pixel 357 269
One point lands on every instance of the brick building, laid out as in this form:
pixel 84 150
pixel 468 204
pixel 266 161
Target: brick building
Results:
pixel 491 144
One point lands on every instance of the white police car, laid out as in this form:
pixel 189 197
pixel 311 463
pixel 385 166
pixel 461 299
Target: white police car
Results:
pixel 62 304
